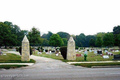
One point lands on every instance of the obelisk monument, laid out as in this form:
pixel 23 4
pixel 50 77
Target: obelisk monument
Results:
pixel 71 55
pixel 25 50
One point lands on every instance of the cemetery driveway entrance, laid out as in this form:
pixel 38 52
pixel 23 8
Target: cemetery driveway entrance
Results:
pixel 48 63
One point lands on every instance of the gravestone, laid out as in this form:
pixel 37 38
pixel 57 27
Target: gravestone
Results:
pixel 25 50
pixel 71 55
pixel 95 51
pixel 117 57
pixel 105 56
pixel 99 52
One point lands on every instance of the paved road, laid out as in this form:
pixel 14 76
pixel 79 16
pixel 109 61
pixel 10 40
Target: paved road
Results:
pixel 50 69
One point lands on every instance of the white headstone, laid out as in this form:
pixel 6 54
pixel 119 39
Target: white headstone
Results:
pixel 105 56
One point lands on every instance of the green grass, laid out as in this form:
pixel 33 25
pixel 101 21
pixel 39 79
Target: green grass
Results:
pixel 89 65
pixel 91 57
pixel 13 58
pixel 11 66
pixel 53 56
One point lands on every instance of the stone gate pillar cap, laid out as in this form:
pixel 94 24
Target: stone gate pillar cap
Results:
pixel 25 39
pixel 71 39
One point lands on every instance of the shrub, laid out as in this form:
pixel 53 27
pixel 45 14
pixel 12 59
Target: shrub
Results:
pixel 17 48
pixel 40 49
pixel 64 52
pixel 20 49
pixel 76 47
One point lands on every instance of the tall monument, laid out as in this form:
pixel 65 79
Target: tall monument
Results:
pixel 25 50
pixel 71 55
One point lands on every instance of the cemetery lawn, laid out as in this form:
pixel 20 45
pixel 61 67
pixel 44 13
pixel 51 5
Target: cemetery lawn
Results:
pixel 13 58
pixel 91 57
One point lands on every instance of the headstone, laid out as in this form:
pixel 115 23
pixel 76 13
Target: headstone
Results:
pixel 5 54
pixel 57 54
pixel 95 51
pixel 110 53
pixel 117 51
pixel 90 50
pixel 105 56
pixel 106 51
pixel 39 53
pixel 25 50
pixel 117 57
pixel 71 55
pixel 78 55
pixel 99 52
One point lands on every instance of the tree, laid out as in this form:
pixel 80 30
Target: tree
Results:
pixel 64 35
pixel 98 41
pixel 64 41
pixel 116 32
pixel 117 40
pixel 80 39
pixel 92 42
pixel 88 40
pixel 55 40
pixel 108 39
pixel 45 42
pixel 6 37
pixel 47 36
pixel 34 37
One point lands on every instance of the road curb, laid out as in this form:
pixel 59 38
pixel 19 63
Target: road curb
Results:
pixel 92 62
pixel 29 64
pixel 105 67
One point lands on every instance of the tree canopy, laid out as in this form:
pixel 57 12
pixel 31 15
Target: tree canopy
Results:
pixel 56 40
pixel 12 35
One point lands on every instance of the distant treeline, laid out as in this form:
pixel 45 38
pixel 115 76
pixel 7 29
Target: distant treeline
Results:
pixel 12 35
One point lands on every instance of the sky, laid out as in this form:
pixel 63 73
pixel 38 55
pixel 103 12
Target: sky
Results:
pixel 71 16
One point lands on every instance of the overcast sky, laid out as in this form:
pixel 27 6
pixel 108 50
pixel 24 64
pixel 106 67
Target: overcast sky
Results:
pixel 72 16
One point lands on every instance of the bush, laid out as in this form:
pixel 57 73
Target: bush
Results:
pixel 64 52
pixel 76 47
pixel 20 49
pixel 40 49
pixel 17 48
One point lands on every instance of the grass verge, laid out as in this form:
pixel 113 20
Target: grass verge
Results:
pixel 11 66
pixel 89 65
pixel 13 58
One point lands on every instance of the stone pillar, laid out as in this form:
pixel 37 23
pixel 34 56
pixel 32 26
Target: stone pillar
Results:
pixel 25 50
pixel 71 55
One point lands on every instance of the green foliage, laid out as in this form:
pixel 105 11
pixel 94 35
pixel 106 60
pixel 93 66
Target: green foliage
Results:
pixel 65 41
pixel 55 40
pixel 89 65
pixel 12 35
pixel 13 58
pixel 92 42
pixel 47 36
pixel 116 30
pixel 6 36
pixel 63 50
pixel 11 66
pixel 108 39
pixel 99 41
pixel 45 42
pixel 34 37
pixel 64 35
